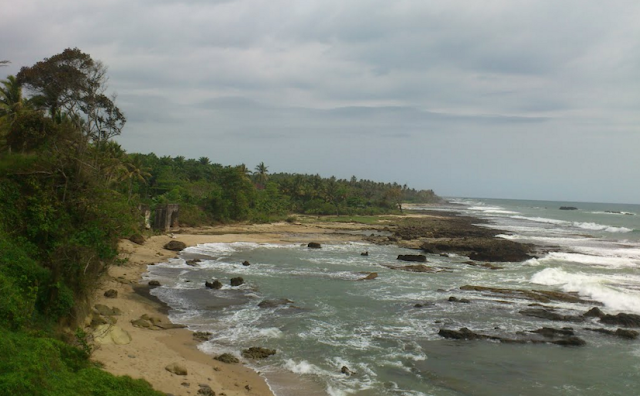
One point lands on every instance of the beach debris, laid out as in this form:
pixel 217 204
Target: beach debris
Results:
pixel 202 335
pixel 459 300
pixel 154 283
pixel 237 281
pixel 246 263
pixel 175 246
pixel 314 245
pixel 345 370
pixel 216 284
pixel 227 358
pixel 365 253
pixel 205 390
pixel 111 334
pixel 371 276
pixel 137 239
pixel 274 303
pixel 258 353
pixel 622 333
pixel 111 293
pixel 421 258
pixel 176 369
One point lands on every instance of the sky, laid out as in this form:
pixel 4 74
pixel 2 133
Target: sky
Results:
pixel 514 99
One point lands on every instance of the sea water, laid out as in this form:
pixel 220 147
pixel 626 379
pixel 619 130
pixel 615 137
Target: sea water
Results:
pixel 393 348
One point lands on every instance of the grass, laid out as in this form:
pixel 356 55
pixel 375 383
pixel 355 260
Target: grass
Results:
pixel 35 365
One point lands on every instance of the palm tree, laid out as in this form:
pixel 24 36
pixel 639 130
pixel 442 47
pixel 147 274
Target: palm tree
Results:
pixel 11 100
pixel 261 173
pixel 134 170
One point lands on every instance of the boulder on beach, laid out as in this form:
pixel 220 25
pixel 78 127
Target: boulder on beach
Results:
pixel 314 245
pixel 176 368
pixel 154 283
pixel 258 353
pixel 175 246
pixel 421 258
pixel 137 239
pixel 246 263
pixel 237 281
pixel 111 334
pixel 193 262
pixel 227 358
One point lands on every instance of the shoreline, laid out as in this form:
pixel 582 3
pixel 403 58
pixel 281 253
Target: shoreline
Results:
pixel 150 351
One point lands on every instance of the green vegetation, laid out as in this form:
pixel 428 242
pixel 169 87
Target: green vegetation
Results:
pixel 68 192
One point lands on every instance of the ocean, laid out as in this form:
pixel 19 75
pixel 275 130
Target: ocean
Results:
pixel 393 348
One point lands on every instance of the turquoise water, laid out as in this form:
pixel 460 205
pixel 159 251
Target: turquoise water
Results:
pixel 373 328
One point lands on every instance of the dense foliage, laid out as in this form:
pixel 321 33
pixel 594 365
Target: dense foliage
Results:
pixel 211 192
pixel 68 192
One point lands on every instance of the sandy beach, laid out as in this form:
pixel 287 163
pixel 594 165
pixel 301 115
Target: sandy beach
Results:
pixel 150 351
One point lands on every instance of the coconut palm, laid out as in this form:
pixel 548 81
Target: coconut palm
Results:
pixel 11 100
pixel 261 173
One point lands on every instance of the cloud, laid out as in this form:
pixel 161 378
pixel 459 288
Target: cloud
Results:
pixel 224 78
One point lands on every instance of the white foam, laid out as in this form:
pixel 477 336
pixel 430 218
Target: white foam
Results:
pixel 492 210
pixel 541 220
pixel 550 240
pixel 601 227
pixel 598 287
pixel 590 260
pixel 302 367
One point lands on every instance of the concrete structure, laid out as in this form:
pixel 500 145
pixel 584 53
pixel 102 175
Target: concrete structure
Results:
pixel 166 217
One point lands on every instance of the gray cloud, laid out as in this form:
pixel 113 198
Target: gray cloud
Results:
pixel 527 98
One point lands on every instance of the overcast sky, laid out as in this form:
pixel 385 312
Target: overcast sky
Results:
pixel 497 98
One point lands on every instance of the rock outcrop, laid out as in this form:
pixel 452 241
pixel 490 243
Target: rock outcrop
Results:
pixel 236 281
pixel 258 353
pixel 314 245
pixel 421 258
pixel 215 284
pixel 227 358
pixel 481 249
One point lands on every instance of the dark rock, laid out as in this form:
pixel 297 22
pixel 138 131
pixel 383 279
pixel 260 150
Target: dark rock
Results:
pixel 444 255
pixel 216 284
pixel 622 319
pixel 549 315
pixel 413 268
pixel 175 246
pixel 137 239
pixel 111 293
pixel 227 358
pixel 201 335
pixel 274 303
pixel 481 249
pixel 594 313
pixel 424 305
pixel 258 353
pixel 549 332
pixel 459 300
pixel 371 276
pixel 345 370
pixel 570 341
pixel 364 253
pixel 154 283
pixel 413 257
pixel 491 266
pixel 246 263
pixel 622 333
pixel 237 281
pixel 193 262
pixel 106 311
pixel 543 296
pixel 462 334
pixel 314 245
pixel 568 208
pixel 205 390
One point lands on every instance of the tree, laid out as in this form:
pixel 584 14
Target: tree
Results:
pixel 11 101
pixel 73 83
pixel 261 173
